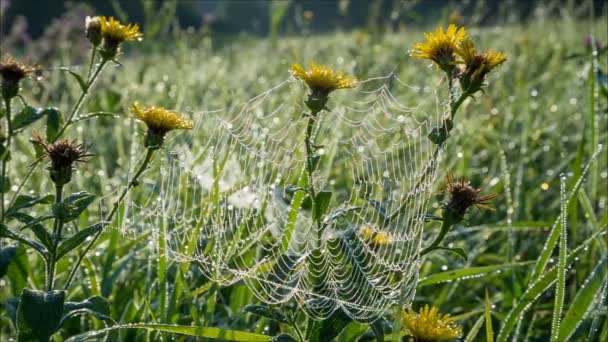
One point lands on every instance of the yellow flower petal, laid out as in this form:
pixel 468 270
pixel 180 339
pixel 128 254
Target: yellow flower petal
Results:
pixel 429 325
pixel 322 78
pixel 160 119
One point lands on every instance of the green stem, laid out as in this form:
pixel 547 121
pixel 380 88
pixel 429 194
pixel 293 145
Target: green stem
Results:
pixel 310 168
pixel 445 228
pixel 7 104
pixel 82 97
pixel 132 183
pixel 57 230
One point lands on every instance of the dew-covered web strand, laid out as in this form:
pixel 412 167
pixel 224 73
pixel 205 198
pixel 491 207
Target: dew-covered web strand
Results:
pixel 226 197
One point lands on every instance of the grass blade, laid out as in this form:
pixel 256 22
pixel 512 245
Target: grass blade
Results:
pixel 207 332
pixel 475 329
pixel 583 301
pixel 488 316
pixel 465 273
pixel 561 264
pixel 535 289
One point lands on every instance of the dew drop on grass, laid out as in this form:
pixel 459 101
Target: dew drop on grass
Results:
pixel 444 268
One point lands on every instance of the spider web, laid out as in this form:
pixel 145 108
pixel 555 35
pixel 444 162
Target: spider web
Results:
pixel 229 200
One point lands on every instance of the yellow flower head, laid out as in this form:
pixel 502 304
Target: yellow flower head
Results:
pixel 159 121
pixel 374 237
pixel 477 65
pixel 114 33
pixel 112 29
pixel 440 46
pixel 13 71
pixel 322 79
pixel 429 325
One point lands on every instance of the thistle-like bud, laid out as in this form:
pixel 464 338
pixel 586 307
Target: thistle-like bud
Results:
pixel 462 197
pixel 12 72
pixel 63 154
pixel 93 30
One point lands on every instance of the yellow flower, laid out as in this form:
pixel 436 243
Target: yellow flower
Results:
pixel 429 325
pixel 113 30
pixel 373 237
pixel 322 79
pixel 477 65
pixel 159 121
pixel 114 33
pixel 440 46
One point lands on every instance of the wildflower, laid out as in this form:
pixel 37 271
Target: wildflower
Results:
pixel 93 30
pixel 63 154
pixel 462 197
pixel 321 80
pixel 374 237
pixel 159 121
pixel 429 325
pixel 114 33
pixel 12 72
pixel 477 65
pixel 440 47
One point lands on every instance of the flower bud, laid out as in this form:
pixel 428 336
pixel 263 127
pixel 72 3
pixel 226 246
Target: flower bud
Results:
pixel 63 155
pixel 93 30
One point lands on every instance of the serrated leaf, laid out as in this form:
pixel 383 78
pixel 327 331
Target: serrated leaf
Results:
pixel 77 239
pixel 39 314
pixel 321 204
pixel 81 82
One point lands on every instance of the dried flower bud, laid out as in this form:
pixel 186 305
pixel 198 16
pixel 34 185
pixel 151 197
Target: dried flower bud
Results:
pixel 12 72
pixel 62 154
pixel 462 197
pixel 93 30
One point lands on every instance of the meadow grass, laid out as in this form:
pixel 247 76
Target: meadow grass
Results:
pixel 532 125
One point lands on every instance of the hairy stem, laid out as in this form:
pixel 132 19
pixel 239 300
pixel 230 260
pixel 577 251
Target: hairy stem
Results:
pixel 132 183
pixel 57 230
pixel 7 105
pixel 310 168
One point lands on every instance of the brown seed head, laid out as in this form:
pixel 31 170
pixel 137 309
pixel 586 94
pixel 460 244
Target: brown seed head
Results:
pixel 13 71
pixel 63 154
pixel 463 196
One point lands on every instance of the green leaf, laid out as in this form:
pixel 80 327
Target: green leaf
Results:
pixel 7 254
pixel 7 233
pixel 321 204
pixel 488 316
pixel 27 116
pixel 97 306
pixel 78 202
pixel 475 329
pixel 458 251
pixel 207 332
pixel 264 311
pixel 284 338
pixel 54 121
pixel 18 272
pixel 467 273
pixel 583 301
pixel 81 82
pixel 39 314
pixel 5 184
pixel 331 327
pixel 34 225
pixel 535 289
pixel 77 239
pixel 26 201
